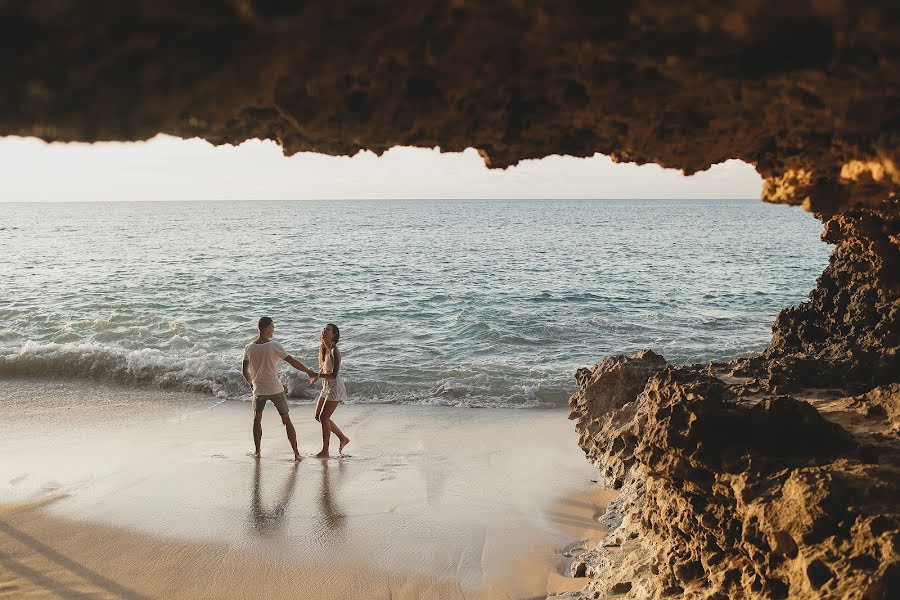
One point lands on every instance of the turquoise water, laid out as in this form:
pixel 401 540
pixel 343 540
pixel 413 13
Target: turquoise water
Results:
pixel 473 303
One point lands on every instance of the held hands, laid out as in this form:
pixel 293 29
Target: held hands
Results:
pixel 313 376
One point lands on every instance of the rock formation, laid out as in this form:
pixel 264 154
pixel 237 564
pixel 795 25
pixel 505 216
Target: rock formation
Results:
pixel 771 476
pixel 730 493
pixel 808 91
pixel 848 333
pixel 605 389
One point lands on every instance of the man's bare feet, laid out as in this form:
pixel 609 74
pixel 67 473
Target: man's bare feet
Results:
pixel 322 454
pixel 256 454
pixel 297 457
pixel 343 445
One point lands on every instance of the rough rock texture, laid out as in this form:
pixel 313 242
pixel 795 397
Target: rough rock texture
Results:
pixel 725 496
pixel 808 90
pixel 881 402
pixel 848 333
pixel 606 388
pixel 730 486
pixel 613 383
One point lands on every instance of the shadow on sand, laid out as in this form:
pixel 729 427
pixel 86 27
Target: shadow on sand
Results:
pixel 76 568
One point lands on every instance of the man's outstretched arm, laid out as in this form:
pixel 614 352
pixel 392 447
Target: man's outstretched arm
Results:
pixel 297 364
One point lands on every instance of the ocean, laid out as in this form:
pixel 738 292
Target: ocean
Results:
pixel 448 302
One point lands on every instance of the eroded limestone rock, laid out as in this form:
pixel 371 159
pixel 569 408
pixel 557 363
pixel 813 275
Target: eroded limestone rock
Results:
pixel 729 497
pixel 881 402
pixel 605 389
pixel 848 333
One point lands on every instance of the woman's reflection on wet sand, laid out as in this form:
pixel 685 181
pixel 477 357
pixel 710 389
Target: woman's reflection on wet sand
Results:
pixel 332 514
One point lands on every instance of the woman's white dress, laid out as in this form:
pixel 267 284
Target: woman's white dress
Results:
pixel 333 390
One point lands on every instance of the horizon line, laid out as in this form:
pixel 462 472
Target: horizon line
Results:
pixel 441 199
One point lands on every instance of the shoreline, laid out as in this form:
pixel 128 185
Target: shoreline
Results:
pixel 161 498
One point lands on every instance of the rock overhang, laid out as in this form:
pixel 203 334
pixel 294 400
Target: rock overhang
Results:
pixel 807 91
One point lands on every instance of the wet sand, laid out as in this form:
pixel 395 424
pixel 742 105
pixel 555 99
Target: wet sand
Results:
pixel 110 492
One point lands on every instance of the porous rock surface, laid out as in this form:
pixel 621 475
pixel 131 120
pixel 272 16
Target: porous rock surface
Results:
pixel 726 495
pixel 608 387
pixel 848 333
pixel 771 476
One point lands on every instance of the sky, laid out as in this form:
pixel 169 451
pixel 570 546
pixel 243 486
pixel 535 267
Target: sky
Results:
pixel 170 168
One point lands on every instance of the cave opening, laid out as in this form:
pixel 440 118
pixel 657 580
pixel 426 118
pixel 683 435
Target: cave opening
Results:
pixel 537 268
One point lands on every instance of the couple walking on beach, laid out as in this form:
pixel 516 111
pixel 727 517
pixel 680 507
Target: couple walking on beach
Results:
pixel 260 369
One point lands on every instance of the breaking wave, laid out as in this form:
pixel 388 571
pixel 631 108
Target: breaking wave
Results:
pixel 208 375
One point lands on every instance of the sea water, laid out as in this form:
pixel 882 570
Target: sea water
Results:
pixel 468 303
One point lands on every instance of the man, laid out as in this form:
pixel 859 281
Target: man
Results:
pixel 260 369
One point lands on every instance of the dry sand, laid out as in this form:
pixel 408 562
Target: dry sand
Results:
pixel 110 492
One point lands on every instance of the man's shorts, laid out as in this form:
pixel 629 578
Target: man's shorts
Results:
pixel 279 400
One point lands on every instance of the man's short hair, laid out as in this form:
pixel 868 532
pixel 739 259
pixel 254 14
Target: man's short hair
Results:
pixel 264 323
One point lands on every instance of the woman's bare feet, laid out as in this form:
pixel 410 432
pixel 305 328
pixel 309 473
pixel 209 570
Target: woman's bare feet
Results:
pixel 343 445
pixel 322 454
pixel 297 457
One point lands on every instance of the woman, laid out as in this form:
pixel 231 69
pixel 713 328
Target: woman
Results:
pixel 333 390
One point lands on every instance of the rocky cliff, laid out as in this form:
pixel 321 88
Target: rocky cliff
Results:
pixel 730 490
pixel 771 476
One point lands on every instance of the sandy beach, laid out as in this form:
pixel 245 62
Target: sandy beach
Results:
pixel 115 492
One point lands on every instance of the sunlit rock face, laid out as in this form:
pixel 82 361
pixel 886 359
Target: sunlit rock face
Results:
pixel 771 476
pixel 598 407
pixel 729 491
pixel 846 335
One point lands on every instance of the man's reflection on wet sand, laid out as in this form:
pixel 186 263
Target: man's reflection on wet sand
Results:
pixel 263 521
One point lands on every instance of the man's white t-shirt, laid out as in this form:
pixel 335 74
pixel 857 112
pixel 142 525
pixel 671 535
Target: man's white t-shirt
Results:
pixel 263 359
